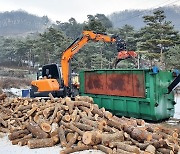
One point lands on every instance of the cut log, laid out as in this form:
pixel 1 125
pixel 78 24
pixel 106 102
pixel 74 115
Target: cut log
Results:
pixel 18 134
pixel 40 143
pixel 125 147
pixel 4 123
pixel 83 127
pixel 70 105
pixel 69 136
pixel 165 151
pixel 36 130
pixel 150 149
pixel 48 111
pixel 29 136
pixel 89 122
pixel 75 149
pixel 107 138
pixel 104 149
pixel 66 117
pixel 3 96
pixel 85 99
pixel 59 116
pixel 120 151
pixel 73 140
pixel 62 136
pixel 92 137
pixel 141 135
pixel 142 146
pixel 54 113
pixel 115 124
pixel 72 127
pixel 74 114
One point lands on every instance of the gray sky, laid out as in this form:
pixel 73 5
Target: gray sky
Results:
pixel 63 10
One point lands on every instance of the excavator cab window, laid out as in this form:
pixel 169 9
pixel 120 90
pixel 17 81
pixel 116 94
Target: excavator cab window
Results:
pixel 51 71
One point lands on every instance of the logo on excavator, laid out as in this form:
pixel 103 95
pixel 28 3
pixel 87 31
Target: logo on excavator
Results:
pixel 75 47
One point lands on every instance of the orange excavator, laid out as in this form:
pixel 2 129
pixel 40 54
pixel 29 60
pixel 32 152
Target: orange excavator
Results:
pixel 58 81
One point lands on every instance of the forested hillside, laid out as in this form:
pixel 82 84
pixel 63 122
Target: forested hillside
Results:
pixel 21 22
pixel 134 17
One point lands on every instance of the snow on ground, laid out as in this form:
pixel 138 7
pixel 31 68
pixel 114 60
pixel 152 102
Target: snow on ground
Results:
pixel 14 91
pixel 177 107
pixel 7 148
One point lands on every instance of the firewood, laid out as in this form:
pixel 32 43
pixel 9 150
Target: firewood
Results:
pixel 73 140
pixel 18 134
pixel 4 130
pixel 54 113
pixel 151 149
pixel 92 137
pixel 115 124
pixel 59 116
pixel 36 130
pixel 127 147
pixel 6 110
pixel 70 105
pixel 165 151
pixel 4 123
pixel 72 127
pixel 40 143
pixel 141 135
pixel 74 114
pixel 85 99
pixel 29 136
pixel 30 112
pixel 75 149
pixel 89 122
pixel 108 114
pixel 69 136
pixel 48 111
pixel 142 146
pixel 83 127
pixel 66 117
pixel 107 138
pixel 104 149
pixel 62 136
pixel 3 96
pixel 120 151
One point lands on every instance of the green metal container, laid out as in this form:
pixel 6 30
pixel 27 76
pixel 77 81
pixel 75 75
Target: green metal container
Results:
pixel 138 93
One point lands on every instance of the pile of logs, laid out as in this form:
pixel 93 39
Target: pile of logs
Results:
pixel 81 125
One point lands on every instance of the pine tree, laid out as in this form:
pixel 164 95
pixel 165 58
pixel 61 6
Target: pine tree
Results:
pixel 158 35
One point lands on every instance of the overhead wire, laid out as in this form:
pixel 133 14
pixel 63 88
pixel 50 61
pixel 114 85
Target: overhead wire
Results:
pixel 150 10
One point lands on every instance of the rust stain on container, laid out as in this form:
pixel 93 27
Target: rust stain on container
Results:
pixel 95 83
pixel 117 84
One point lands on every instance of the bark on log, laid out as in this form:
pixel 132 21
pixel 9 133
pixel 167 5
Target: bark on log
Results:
pixel 18 134
pixel 120 151
pixel 3 96
pixel 165 151
pixel 151 149
pixel 75 149
pixel 40 143
pixel 141 135
pixel 54 113
pixel 62 136
pixel 104 149
pixel 4 123
pixel 107 138
pixel 73 140
pixel 125 147
pixel 85 99
pixel 74 115
pixel 70 105
pixel 83 127
pixel 36 130
pixel 72 127
pixel 92 137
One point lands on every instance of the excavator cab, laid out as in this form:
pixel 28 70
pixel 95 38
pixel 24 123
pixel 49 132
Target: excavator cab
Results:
pixel 48 81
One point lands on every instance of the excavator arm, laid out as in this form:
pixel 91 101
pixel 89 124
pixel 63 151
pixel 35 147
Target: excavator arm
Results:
pixel 79 43
pixel 76 46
